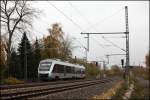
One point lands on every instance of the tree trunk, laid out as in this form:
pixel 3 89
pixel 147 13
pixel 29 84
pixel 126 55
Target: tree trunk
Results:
pixel 8 55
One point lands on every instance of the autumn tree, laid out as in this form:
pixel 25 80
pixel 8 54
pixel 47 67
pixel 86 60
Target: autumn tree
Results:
pixel 92 70
pixel 2 53
pixel 15 16
pixel 52 43
pixel 147 61
pixel 115 70
pixel 2 58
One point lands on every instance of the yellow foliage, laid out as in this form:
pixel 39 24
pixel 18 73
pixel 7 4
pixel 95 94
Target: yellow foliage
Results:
pixel 2 53
pixel 147 61
pixel 52 42
pixel 12 80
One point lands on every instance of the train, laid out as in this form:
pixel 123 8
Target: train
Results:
pixel 50 69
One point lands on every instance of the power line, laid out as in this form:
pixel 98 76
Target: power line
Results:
pixel 114 44
pixel 65 15
pixel 100 22
pixel 69 18
pixel 86 20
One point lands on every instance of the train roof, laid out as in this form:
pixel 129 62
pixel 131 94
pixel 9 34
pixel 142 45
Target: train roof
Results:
pixel 62 62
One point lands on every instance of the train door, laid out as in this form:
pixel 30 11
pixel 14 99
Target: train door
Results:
pixel 64 71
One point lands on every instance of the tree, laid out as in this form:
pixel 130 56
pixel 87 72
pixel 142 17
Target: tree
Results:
pixel 37 57
pixel 66 50
pixel 115 69
pixel 2 58
pixel 92 70
pixel 52 42
pixel 147 61
pixel 26 55
pixel 15 16
pixel 15 69
pixel 2 53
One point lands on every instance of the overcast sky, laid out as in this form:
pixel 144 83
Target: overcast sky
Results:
pixel 98 16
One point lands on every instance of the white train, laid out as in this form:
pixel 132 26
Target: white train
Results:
pixel 55 69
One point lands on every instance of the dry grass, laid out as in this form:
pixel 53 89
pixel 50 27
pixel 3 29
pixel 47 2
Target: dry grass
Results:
pixel 108 94
pixel 12 80
pixel 141 92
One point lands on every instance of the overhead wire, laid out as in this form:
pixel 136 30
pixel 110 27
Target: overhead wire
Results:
pixel 80 14
pixel 67 18
pixel 65 15
pixel 104 19
pixel 114 44
pixel 86 20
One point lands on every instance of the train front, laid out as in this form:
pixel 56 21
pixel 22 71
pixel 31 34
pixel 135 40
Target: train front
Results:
pixel 44 70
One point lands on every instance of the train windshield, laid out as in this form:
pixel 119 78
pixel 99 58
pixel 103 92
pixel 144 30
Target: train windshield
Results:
pixel 45 66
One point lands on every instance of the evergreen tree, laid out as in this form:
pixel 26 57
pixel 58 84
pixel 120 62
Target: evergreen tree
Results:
pixel 14 69
pixel 25 47
pixel 37 57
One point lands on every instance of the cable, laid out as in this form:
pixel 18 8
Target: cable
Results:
pixel 65 15
pixel 86 20
pixel 100 22
pixel 114 44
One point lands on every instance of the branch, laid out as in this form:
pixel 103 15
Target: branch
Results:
pixel 5 5
pixel 3 17
pixel 18 12
pixel 16 24
pixel 24 3
pixel 2 10
pixel 16 2
pixel 3 21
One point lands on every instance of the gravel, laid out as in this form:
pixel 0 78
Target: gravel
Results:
pixel 80 93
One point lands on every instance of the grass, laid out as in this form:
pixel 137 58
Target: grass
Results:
pixel 12 80
pixel 110 92
pixel 140 92
pixel 120 93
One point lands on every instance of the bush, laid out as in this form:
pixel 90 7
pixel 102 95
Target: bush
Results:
pixel 12 80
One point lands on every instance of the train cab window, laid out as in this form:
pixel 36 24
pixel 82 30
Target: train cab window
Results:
pixel 83 72
pixel 58 68
pixel 78 71
pixel 45 66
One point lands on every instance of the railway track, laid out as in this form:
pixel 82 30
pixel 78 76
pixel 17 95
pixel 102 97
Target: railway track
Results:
pixel 50 89
pixel 33 84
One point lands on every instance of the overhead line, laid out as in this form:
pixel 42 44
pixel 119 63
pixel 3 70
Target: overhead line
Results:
pixel 65 15
pixel 114 44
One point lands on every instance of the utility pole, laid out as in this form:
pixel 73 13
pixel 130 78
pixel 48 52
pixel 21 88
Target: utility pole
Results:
pixel 127 46
pixel 127 42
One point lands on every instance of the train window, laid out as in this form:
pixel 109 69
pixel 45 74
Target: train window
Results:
pixel 78 71
pixel 61 69
pixel 45 66
pixel 68 69
pixel 73 70
pixel 58 68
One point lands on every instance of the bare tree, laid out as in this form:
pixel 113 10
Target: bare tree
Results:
pixel 16 16
pixel 66 50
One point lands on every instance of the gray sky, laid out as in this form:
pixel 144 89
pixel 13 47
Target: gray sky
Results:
pixel 98 16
